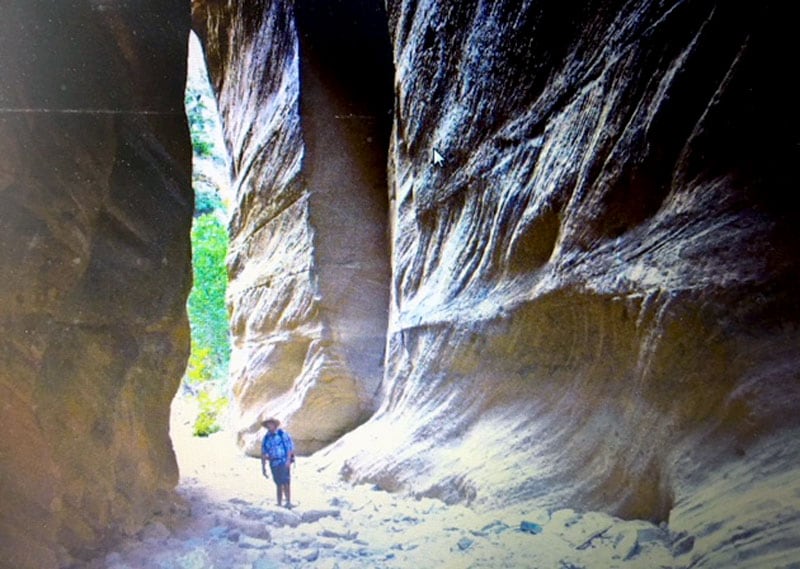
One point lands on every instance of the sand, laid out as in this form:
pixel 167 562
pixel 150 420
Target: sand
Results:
pixel 227 517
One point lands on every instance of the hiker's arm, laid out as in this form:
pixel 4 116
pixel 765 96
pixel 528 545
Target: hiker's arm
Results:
pixel 264 458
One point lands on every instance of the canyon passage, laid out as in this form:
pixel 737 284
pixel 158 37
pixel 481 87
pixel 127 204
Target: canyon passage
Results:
pixel 493 255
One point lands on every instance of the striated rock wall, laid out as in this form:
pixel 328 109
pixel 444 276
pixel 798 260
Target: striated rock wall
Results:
pixel 305 98
pixel 95 260
pixel 592 298
pixel 593 257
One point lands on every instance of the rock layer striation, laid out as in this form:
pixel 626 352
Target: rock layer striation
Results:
pixel 591 296
pixel 305 99
pixel 576 290
pixel 592 258
pixel 95 261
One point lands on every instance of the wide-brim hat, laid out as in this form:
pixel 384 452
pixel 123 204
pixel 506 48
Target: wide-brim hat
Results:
pixel 272 420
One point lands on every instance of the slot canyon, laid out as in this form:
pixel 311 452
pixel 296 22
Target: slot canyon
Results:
pixel 521 252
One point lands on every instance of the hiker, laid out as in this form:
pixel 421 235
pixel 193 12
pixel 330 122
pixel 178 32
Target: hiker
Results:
pixel 278 448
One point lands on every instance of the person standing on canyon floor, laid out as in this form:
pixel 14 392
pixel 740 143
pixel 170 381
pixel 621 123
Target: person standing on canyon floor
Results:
pixel 278 448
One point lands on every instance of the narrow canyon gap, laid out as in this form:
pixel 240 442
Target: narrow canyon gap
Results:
pixel 345 113
pixel 309 262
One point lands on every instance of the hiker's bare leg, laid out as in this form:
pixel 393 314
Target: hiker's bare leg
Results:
pixel 279 490
pixel 287 490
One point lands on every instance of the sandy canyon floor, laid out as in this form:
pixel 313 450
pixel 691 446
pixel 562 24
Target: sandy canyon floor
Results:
pixel 227 518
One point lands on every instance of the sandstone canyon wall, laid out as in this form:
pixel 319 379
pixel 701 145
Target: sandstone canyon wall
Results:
pixel 593 260
pixel 95 260
pixel 309 261
pixel 576 289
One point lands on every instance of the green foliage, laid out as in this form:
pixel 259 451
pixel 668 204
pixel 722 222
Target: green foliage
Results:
pixel 208 314
pixel 206 200
pixel 207 371
pixel 211 408
pixel 200 368
pixel 200 120
pixel 208 317
pixel 208 150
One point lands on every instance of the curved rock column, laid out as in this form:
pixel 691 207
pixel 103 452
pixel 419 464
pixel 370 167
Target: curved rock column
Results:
pixel 95 260
pixel 309 261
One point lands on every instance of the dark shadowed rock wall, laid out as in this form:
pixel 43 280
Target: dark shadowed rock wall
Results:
pixel 95 261
pixel 304 93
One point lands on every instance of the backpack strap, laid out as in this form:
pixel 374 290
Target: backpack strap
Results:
pixel 282 436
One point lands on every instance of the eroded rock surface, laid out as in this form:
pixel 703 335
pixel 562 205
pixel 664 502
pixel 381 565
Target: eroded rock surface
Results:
pixel 309 262
pixel 95 261
pixel 592 259
pixel 590 274
pixel 591 293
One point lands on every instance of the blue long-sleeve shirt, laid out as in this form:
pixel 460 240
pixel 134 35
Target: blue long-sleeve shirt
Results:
pixel 277 446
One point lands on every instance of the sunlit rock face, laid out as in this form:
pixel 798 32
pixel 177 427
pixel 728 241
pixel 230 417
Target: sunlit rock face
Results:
pixel 95 261
pixel 304 92
pixel 594 266
pixel 593 259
